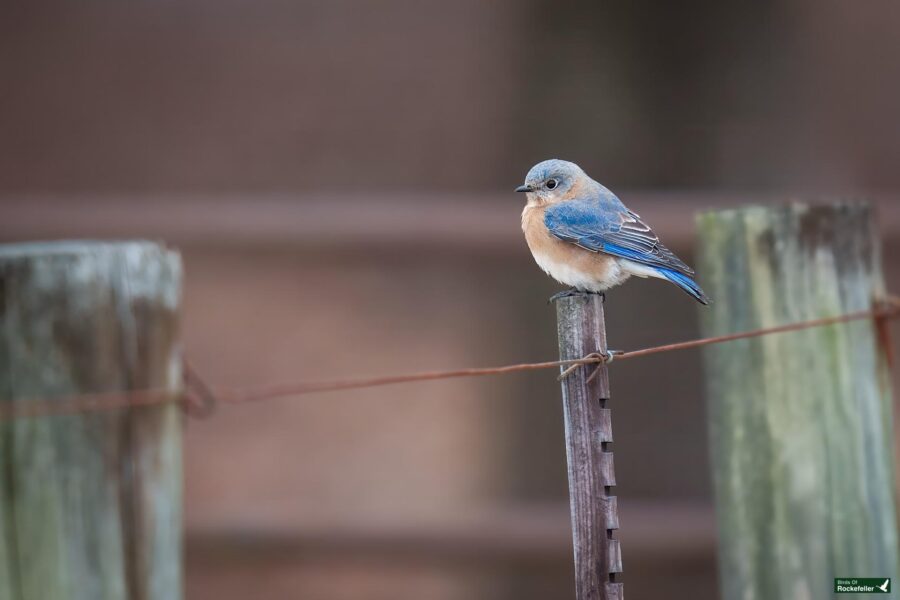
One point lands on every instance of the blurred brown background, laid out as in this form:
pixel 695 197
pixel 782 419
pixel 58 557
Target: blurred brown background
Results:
pixel 338 176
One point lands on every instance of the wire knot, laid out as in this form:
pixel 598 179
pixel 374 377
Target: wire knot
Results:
pixel 598 358
pixel 198 400
pixel 892 304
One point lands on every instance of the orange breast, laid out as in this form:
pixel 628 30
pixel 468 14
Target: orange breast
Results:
pixel 566 262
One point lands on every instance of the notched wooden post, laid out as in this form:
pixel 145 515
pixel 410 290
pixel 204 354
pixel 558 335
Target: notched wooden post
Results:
pixel 590 460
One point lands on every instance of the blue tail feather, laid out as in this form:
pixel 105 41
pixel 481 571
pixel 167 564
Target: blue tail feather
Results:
pixel 687 284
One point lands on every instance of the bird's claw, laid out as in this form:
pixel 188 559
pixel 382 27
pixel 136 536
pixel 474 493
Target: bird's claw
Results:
pixel 573 292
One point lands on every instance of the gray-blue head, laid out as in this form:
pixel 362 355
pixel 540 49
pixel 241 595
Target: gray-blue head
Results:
pixel 552 180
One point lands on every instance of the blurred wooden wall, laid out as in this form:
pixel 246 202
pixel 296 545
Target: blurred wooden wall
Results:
pixel 331 168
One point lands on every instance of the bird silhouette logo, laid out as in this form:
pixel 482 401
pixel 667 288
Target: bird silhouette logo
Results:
pixel 884 586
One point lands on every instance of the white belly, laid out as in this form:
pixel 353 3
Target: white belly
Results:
pixel 597 279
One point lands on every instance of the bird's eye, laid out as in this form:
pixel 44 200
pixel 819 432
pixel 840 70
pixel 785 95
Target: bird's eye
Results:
pixel 552 183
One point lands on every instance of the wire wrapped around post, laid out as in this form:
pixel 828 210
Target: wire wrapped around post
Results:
pixel 588 428
pixel 801 424
pixel 90 499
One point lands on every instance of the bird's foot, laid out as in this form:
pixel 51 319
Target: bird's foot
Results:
pixel 562 294
pixel 573 292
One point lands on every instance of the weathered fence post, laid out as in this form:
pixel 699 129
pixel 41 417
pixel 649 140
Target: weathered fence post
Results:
pixel 588 434
pixel 800 423
pixel 90 504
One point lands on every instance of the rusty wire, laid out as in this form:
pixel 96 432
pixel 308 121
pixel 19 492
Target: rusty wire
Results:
pixel 199 399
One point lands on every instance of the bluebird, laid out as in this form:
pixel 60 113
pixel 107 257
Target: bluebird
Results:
pixel 582 235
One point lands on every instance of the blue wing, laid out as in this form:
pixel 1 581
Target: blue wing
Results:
pixel 610 228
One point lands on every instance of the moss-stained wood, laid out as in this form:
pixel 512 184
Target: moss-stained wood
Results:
pixel 90 505
pixel 800 423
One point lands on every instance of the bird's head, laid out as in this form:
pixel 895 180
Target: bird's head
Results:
pixel 551 181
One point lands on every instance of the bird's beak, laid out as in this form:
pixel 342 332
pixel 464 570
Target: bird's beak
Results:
pixel 524 188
